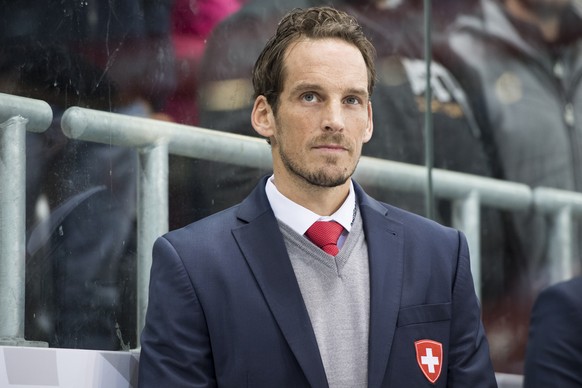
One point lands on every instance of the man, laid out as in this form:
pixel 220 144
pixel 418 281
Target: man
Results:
pixel 554 349
pixel 521 65
pixel 244 298
pixel 396 31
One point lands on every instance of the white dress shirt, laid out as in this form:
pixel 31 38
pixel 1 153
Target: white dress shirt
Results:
pixel 300 219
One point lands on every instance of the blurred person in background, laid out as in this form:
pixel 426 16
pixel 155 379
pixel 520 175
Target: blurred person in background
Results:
pixel 520 62
pixel 112 56
pixel 192 22
pixel 554 348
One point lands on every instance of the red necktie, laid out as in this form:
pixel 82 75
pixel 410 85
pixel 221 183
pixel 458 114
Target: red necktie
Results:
pixel 324 234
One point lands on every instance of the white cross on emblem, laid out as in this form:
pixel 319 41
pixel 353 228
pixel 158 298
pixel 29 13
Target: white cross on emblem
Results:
pixel 429 356
pixel 429 360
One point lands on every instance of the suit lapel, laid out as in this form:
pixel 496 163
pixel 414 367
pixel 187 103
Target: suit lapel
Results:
pixel 384 239
pixel 264 250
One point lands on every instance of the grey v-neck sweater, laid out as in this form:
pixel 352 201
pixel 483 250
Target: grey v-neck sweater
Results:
pixel 336 292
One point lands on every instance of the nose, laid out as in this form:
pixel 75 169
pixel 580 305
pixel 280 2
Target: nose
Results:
pixel 333 118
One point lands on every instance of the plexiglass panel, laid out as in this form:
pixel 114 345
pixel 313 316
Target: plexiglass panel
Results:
pixel 505 102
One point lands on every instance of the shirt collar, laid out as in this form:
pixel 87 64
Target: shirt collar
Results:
pixel 299 218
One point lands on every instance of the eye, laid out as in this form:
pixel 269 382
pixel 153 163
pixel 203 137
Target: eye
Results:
pixel 309 97
pixel 351 100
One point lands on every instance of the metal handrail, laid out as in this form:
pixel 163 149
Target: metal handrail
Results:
pixel 468 192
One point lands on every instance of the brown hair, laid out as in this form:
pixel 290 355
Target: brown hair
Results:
pixel 314 23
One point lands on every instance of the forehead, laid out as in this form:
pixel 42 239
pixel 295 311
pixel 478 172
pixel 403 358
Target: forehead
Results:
pixel 328 61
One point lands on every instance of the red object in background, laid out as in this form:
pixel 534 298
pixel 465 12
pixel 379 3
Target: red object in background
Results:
pixel 192 23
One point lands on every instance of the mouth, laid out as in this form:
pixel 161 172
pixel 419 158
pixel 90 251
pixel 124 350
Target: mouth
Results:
pixel 330 147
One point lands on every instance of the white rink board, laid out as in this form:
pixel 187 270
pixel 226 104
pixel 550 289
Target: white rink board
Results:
pixel 25 367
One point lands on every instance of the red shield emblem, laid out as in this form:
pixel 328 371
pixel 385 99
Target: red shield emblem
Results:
pixel 429 355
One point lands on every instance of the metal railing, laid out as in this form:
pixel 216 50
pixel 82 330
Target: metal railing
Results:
pixel 17 115
pixel 155 140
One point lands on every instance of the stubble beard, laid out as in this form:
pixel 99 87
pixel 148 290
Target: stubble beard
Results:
pixel 327 176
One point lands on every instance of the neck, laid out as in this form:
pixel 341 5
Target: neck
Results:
pixel 321 200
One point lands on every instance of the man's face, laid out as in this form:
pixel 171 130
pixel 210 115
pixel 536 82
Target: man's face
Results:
pixel 324 114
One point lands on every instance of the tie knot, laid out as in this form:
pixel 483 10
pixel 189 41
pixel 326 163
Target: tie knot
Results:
pixel 325 234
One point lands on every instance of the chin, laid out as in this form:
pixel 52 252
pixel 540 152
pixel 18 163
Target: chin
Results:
pixel 323 179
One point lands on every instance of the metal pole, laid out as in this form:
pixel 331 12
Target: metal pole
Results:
pixel 428 128
pixel 561 246
pixel 12 227
pixel 17 115
pixel 563 206
pixel 12 232
pixel 467 218
pixel 152 217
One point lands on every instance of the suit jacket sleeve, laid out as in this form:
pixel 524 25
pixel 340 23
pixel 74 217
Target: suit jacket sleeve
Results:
pixel 175 346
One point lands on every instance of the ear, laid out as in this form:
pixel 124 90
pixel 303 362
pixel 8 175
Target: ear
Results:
pixel 370 128
pixel 262 117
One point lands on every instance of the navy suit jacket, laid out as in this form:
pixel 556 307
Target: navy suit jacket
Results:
pixel 554 349
pixel 225 308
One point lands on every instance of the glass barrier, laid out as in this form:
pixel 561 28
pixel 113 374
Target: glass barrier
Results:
pixel 502 87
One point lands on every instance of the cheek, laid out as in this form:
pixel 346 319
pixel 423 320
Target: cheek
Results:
pixel 298 129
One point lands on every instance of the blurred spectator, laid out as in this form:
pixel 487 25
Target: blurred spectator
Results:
pixel 127 40
pixel 520 62
pixel 192 23
pixel 554 349
pixel 113 56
